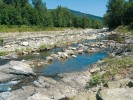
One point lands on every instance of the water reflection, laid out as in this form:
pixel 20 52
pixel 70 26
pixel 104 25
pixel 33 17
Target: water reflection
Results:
pixel 79 63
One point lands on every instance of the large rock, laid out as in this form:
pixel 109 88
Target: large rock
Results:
pixel 126 82
pixel 121 83
pixel 38 96
pixel 19 94
pixel 54 89
pixel 13 69
pixel 113 84
pixel 76 80
pixel 17 67
pixel 116 94
pixel 83 96
pixel 4 76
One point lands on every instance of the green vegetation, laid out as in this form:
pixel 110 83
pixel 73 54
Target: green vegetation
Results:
pixel 45 46
pixel 3 53
pixel 120 12
pixel 21 15
pixel 124 29
pixel 20 50
pixel 116 66
pixel 96 79
pixel 25 28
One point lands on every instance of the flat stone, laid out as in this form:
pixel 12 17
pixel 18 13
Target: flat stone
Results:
pixel 7 46
pixel 4 76
pixel 38 96
pixel 116 94
pixel 83 96
pixel 20 68
pixel 113 84
pixel 19 94
pixel 126 82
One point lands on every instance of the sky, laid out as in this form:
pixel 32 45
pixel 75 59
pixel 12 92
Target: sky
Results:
pixel 94 7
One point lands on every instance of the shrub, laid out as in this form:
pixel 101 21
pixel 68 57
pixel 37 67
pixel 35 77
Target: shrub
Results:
pixel 96 79
pixel 43 47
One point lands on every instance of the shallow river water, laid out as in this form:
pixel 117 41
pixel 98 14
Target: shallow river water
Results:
pixel 81 62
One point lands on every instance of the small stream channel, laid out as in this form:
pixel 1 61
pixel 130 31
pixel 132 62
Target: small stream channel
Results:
pixel 80 63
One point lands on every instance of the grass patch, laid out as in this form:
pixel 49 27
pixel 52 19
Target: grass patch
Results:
pixel 124 30
pixel 96 79
pixel 115 66
pixel 18 50
pixel 24 28
pixel 45 47
pixel 123 62
pixel 42 46
pixel 3 53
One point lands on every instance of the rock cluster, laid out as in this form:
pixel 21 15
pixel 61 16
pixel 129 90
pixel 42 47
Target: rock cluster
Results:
pixel 13 69
pixel 34 42
pixel 114 90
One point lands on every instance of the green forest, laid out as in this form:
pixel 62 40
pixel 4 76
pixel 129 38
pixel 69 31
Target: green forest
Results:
pixel 119 12
pixel 35 13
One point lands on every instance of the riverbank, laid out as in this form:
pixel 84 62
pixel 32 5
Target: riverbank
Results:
pixel 112 77
pixel 27 42
pixel 31 85
pixel 124 30
pixel 25 28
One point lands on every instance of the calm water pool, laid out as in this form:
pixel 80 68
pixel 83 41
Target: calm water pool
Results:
pixel 81 62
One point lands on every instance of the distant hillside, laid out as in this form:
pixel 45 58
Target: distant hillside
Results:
pixel 84 14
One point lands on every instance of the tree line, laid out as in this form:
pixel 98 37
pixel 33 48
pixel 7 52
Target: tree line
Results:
pixel 119 12
pixel 22 12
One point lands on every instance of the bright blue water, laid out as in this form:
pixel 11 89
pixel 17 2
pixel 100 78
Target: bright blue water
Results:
pixel 81 62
